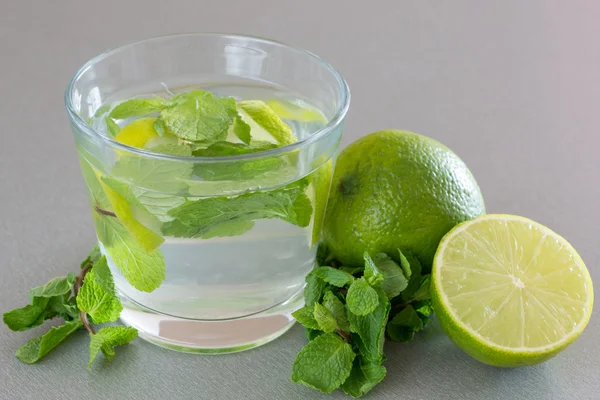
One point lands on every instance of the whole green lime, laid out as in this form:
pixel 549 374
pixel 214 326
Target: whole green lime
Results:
pixel 397 190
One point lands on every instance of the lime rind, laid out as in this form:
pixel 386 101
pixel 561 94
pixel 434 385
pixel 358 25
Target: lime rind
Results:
pixel 480 347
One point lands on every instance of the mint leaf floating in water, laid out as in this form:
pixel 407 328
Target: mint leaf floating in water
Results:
pixel 324 363
pixel 199 116
pixel 242 130
pixel 92 291
pixel 137 107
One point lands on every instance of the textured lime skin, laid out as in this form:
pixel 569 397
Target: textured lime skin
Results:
pixel 397 189
pixel 473 345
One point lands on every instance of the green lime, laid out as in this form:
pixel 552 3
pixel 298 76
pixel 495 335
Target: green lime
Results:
pixel 509 291
pixel 397 189
pixel 264 123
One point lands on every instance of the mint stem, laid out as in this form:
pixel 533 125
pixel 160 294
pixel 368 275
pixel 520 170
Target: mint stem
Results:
pixel 344 335
pixel 78 283
pixel 104 212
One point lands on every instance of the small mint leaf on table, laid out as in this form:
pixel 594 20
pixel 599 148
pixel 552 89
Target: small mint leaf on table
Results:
pixel 404 325
pixel 334 276
pixel 109 337
pixel 337 310
pixel 404 264
pixel 45 302
pixel 38 347
pixel 324 363
pixel 325 320
pixel 372 274
pixel 314 289
pixel 242 130
pixel 394 279
pixel 370 329
pixel 306 317
pixel 363 378
pixel 415 278
pixel 137 107
pixel 199 116
pixel 361 299
pixel 97 296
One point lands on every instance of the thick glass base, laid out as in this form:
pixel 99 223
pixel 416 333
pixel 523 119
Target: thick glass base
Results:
pixel 210 337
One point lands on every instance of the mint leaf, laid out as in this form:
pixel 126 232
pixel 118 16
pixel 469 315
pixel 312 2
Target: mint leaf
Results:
pixel 199 116
pixel 324 363
pixel 159 127
pixel 55 287
pixel 311 334
pixel 112 127
pixel 38 347
pixel 153 174
pixel 334 276
pixel 109 337
pixel 137 107
pixel 372 274
pixel 242 130
pixel 404 325
pixel 352 270
pixel 172 149
pixel 415 278
pixel 144 271
pixel 405 265
pixel 370 329
pixel 222 149
pixel 362 299
pixel 337 310
pixel 46 302
pixel 394 280
pixel 306 316
pixel 422 292
pixel 98 297
pixel 314 289
pixel 325 320
pixel 92 257
pixel 363 378
pixel 95 191
pixel 197 218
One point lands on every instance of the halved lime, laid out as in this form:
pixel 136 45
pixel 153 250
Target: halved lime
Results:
pixel 509 291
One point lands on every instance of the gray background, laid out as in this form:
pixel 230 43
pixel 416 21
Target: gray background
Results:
pixel 511 86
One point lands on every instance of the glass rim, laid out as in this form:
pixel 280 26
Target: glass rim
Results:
pixel 344 100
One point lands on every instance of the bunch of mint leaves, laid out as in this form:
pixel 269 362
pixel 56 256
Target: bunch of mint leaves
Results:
pixel 83 301
pixel 349 313
pixel 140 200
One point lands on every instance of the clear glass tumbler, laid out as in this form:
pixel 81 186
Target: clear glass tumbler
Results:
pixel 209 254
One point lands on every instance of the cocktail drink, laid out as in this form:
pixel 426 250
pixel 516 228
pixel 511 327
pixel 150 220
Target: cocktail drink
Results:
pixel 208 160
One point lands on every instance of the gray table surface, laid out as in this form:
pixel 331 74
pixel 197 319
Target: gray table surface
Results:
pixel 512 86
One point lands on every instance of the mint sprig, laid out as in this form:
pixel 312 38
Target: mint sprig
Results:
pixel 82 301
pixel 349 311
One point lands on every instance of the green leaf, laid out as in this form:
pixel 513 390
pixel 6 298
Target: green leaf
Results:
pixel 137 107
pixel 95 191
pixel 306 317
pixel 197 218
pixel 159 127
pixel 324 363
pixel 109 337
pixel 394 280
pixel 361 299
pixel 372 274
pixel 38 347
pixel 98 297
pixel 334 276
pixel 337 310
pixel 370 330
pixel 314 289
pixel 199 116
pixel 112 127
pixel 144 271
pixel 404 325
pixel 92 257
pixel 352 270
pixel 223 149
pixel 312 334
pixel 423 292
pixel 363 378
pixel 55 287
pixel 324 318
pixel 415 278
pixel 46 302
pixel 242 130
pixel 172 149
pixel 405 265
